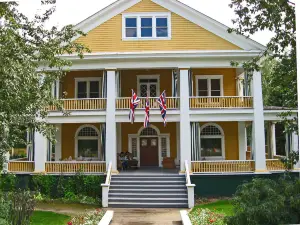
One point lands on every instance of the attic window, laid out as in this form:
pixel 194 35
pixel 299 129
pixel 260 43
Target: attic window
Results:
pixel 147 26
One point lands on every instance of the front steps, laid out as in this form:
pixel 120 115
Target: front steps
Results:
pixel 148 191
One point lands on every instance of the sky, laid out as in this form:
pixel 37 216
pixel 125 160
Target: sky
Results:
pixel 74 11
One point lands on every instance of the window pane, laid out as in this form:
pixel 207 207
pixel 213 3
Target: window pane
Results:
pixel 144 90
pixel 162 32
pixel 146 22
pixel 82 89
pixel 131 22
pixel 88 148
pixel 202 85
pixel 211 147
pixel 131 32
pixel 216 84
pixel 153 90
pixel 203 93
pixel 161 22
pixel 215 93
pixel 146 32
pixel 94 89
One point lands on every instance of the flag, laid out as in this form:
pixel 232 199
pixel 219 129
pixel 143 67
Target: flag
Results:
pixel 147 114
pixel 134 102
pixel 163 107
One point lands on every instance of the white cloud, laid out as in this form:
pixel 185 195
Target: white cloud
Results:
pixel 74 11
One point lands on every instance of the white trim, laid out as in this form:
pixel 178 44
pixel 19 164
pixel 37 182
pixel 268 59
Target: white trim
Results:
pixel 138 17
pixel 139 77
pixel 222 136
pixel 209 78
pixel 87 138
pixel 87 80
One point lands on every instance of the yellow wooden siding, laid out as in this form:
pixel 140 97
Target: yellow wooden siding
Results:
pixel 128 128
pixel 129 80
pixel 185 35
pixel 68 82
pixel 68 139
pixel 229 81
pixel 231 139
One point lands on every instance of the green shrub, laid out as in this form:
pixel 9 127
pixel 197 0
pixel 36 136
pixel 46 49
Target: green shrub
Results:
pixel 8 182
pixel 206 216
pixel 44 184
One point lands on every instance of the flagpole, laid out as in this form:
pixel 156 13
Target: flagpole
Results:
pixel 297 13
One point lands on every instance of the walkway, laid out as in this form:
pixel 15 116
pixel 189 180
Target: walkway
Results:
pixel 146 217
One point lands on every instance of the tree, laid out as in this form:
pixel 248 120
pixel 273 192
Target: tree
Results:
pixel 29 65
pixel 279 67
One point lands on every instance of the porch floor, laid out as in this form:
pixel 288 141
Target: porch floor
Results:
pixel 149 171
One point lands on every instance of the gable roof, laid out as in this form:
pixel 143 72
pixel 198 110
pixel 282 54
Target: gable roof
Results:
pixel 174 6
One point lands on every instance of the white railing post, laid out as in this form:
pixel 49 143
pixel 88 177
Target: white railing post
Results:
pixel 105 187
pixel 190 186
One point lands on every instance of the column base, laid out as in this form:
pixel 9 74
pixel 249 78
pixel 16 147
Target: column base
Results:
pixel 39 172
pixel 115 172
pixel 262 171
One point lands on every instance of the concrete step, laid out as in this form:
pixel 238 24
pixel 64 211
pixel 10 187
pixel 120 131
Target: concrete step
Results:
pixel 147 195
pixel 146 186
pixel 117 204
pixel 148 191
pixel 150 178
pixel 150 182
pixel 152 200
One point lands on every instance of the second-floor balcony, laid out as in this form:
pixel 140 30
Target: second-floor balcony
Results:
pixel 82 104
pixel 221 102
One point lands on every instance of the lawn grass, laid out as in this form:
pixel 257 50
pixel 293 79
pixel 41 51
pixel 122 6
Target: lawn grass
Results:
pixel 49 218
pixel 222 206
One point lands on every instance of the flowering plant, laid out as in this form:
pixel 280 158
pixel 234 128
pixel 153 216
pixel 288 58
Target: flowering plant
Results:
pixel 89 218
pixel 206 217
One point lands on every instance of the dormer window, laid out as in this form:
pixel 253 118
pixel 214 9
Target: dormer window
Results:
pixel 147 26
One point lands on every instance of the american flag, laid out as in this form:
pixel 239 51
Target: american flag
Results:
pixel 134 102
pixel 163 107
pixel 147 114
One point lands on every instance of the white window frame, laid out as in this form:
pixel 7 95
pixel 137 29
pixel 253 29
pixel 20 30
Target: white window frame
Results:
pixel 87 138
pixel 222 137
pixel 139 16
pixel 209 78
pixel 88 81
pixel 142 77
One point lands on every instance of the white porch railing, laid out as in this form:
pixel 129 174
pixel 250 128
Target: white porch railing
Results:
pixel 75 166
pixel 221 102
pixel 105 187
pixel 225 166
pixel 190 187
pixel 124 103
pixel 82 104
pixel 21 166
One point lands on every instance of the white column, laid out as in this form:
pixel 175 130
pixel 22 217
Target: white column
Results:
pixel 40 152
pixel 178 143
pixel 242 140
pixel 273 139
pixel 111 132
pixel 258 128
pixel 295 147
pixel 119 137
pixel 185 129
pixel 58 143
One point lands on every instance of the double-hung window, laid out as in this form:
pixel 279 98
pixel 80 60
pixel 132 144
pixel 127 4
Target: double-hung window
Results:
pixel 88 87
pixel 154 26
pixel 207 86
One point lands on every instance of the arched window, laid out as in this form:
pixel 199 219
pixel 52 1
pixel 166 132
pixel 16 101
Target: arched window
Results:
pixel 87 143
pixel 212 141
pixel 149 131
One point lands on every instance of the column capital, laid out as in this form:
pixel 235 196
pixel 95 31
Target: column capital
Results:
pixel 184 67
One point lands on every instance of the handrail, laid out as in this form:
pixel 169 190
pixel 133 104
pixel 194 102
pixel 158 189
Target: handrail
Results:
pixel 81 104
pixel 171 102
pixel 187 173
pixel 108 175
pixel 62 162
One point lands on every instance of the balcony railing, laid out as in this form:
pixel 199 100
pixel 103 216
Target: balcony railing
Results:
pixel 226 166
pixel 21 166
pixel 275 165
pixel 221 102
pixel 82 104
pixel 124 103
pixel 74 167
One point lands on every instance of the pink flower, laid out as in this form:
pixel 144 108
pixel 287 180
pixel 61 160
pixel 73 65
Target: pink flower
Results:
pixel 69 223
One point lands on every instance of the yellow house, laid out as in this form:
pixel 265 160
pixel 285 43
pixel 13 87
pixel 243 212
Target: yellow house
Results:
pixel 155 47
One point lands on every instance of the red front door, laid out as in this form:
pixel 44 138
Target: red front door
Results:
pixel 149 152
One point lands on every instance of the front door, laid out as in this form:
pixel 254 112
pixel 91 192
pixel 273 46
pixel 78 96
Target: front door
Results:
pixel 149 151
